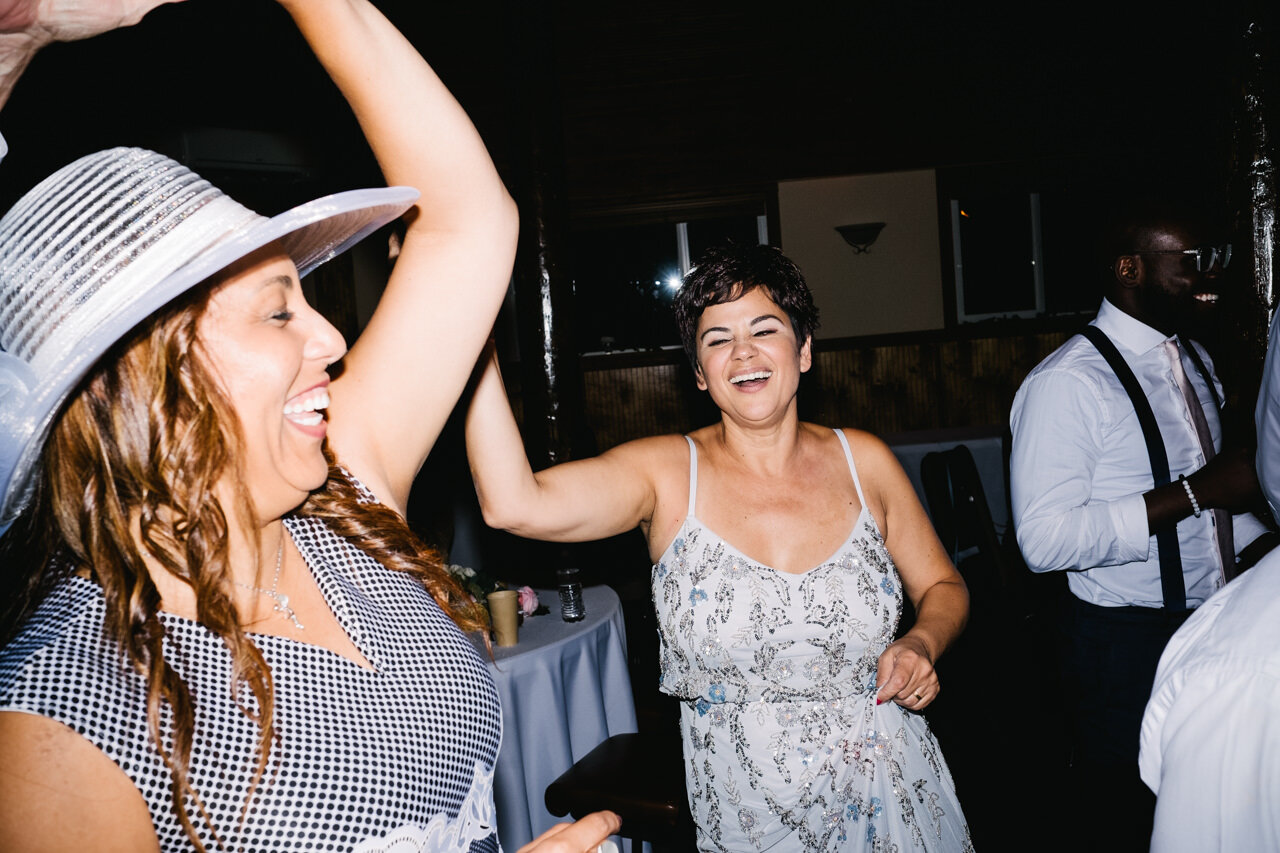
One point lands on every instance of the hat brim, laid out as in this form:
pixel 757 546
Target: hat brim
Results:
pixel 310 234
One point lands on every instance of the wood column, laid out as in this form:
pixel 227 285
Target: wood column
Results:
pixel 550 369
pixel 1256 153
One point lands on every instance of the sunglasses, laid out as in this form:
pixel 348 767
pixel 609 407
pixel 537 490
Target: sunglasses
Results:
pixel 1206 256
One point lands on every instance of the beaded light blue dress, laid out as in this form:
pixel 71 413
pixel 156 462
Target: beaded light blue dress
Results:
pixel 785 747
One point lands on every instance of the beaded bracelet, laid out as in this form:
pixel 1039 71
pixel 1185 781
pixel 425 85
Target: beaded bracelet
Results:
pixel 1191 496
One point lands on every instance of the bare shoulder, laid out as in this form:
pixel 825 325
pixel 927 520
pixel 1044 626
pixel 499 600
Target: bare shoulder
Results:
pixel 58 792
pixel 870 453
pixel 663 461
pixel 884 483
pixel 658 453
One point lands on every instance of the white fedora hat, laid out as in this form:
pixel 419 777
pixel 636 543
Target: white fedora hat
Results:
pixel 100 245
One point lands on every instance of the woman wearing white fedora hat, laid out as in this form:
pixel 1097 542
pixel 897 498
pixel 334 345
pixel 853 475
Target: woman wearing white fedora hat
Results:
pixel 224 636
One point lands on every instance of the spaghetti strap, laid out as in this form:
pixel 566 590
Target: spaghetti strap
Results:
pixel 693 476
pixel 848 456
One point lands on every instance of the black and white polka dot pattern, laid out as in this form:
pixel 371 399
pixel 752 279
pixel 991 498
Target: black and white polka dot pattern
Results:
pixel 364 757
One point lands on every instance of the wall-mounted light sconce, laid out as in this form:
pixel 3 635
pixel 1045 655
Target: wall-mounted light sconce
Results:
pixel 860 236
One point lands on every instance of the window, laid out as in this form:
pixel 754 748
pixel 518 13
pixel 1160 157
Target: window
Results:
pixel 1023 239
pixel 998 255
pixel 625 277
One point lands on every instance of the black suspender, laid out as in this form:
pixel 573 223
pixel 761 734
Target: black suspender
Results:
pixel 1171 581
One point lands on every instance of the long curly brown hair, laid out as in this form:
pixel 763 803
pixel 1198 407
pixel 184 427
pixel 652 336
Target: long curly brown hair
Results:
pixel 135 457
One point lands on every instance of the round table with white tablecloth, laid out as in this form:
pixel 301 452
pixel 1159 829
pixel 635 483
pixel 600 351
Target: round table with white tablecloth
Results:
pixel 565 687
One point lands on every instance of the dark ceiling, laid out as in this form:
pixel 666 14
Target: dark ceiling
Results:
pixel 663 101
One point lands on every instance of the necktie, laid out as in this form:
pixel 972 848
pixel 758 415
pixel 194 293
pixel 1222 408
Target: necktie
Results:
pixel 1221 518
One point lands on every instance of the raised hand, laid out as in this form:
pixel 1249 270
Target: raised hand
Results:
pixel 28 25
pixel 70 20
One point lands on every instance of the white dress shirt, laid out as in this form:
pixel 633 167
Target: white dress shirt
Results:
pixel 1267 419
pixel 1079 467
pixel 1211 732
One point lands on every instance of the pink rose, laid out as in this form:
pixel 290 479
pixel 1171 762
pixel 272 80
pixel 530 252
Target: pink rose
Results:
pixel 528 600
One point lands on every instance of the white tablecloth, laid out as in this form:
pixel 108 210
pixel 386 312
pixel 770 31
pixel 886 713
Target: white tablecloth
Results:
pixel 565 687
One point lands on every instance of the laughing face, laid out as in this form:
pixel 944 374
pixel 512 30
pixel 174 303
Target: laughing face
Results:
pixel 270 350
pixel 748 357
pixel 1174 295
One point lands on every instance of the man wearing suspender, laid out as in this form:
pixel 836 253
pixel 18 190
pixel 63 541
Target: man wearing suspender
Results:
pixel 1119 478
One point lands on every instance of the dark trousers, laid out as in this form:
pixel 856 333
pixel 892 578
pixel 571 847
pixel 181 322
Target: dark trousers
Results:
pixel 1109 657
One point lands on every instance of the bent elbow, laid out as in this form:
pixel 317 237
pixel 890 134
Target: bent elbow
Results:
pixel 498 518
pixel 1041 551
pixel 514 517
pixel 497 513
pixel 506 224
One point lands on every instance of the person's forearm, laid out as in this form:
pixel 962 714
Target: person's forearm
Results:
pixel 453 270
pixel 941 615
pixel 1228 481
pixel 1167 505
pixel 420 135
pixel 500 469
pixel 1097 533
pixel 576 501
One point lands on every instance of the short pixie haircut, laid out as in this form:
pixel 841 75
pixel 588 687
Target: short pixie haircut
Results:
pixel 727 273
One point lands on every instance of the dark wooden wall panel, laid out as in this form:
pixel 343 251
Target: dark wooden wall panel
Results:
pixel 631 402
pixel 883 387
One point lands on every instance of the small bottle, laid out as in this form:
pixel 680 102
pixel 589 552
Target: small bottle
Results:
pixel 571 607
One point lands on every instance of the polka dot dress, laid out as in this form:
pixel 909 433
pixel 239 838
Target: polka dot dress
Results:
pixel 400 755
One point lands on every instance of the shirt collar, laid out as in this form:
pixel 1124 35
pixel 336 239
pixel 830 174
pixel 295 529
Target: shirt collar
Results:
pixel 1127 331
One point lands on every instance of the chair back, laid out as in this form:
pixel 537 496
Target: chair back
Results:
pixel 961 517
pixel 958 505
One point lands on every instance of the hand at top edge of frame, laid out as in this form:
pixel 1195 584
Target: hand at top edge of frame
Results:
pixel 28 25
pixel 48 21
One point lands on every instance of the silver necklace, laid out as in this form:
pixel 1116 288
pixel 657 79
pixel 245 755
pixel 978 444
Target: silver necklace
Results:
pixel 281 600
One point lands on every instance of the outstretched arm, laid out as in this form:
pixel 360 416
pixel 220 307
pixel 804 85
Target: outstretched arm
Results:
pixel 402 377
pixel 28 25
pixel 574 502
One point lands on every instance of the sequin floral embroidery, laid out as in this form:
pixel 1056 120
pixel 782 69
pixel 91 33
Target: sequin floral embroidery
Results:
pixel 784 743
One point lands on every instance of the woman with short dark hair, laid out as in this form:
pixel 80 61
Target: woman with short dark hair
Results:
pixel 779 573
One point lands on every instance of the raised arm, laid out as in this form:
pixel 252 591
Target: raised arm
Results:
pixel 905 672
pixel 574 502
pixel 405 373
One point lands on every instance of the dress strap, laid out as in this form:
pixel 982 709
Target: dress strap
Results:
pixel 848 457
pixel 693 475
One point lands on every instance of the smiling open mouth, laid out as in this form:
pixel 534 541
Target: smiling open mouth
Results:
pixel 308 410
pixel 1206 298
pixel 751 377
